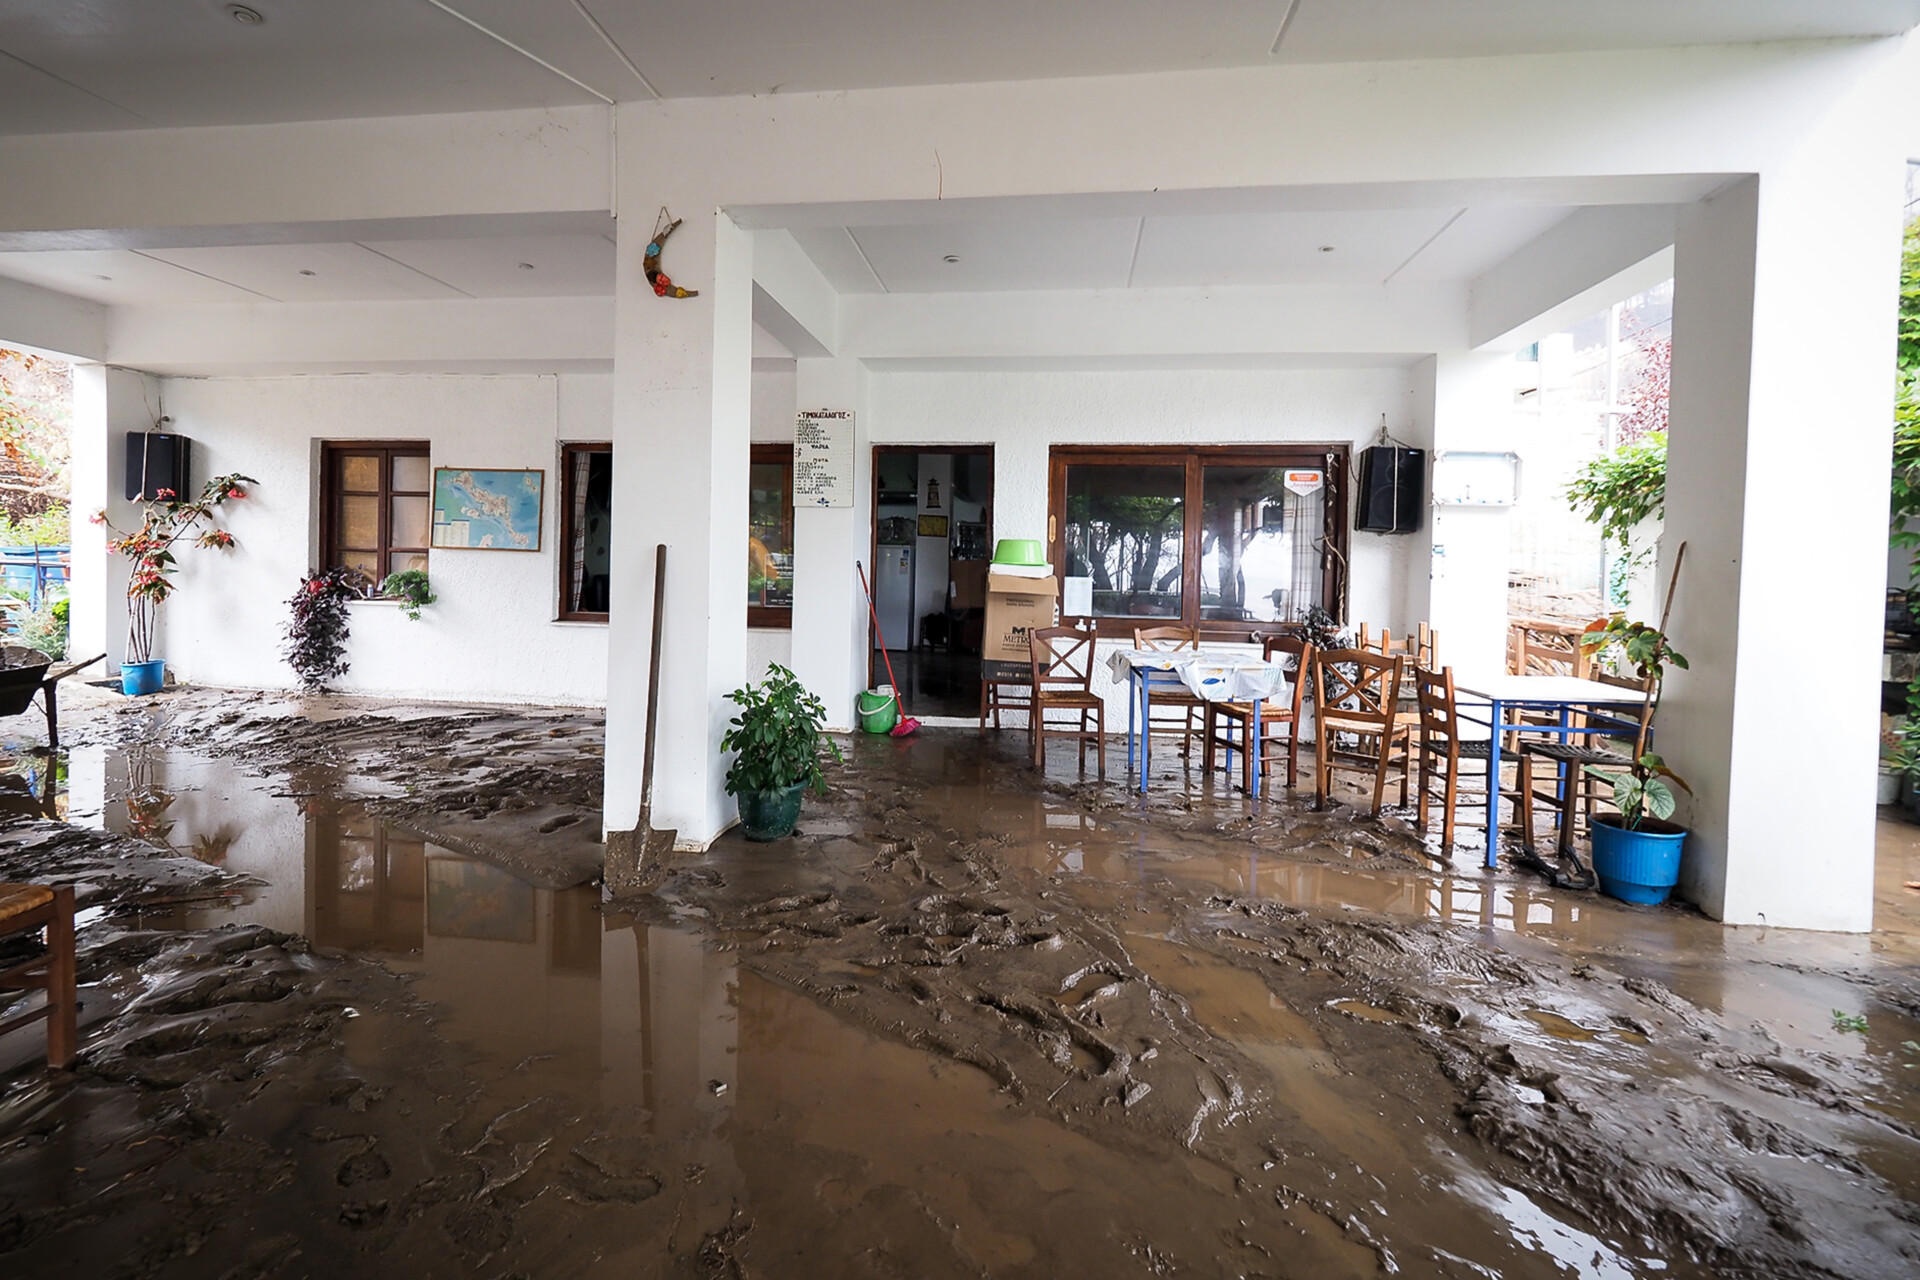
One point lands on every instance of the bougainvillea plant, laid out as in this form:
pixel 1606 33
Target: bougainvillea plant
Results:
pixel 165 520
pixel 317 632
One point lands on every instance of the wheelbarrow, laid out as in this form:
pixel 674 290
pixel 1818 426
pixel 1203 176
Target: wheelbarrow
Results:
pixel 25 672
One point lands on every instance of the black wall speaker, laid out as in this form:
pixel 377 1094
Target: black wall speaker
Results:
pixel 158 460
pixel 1393 490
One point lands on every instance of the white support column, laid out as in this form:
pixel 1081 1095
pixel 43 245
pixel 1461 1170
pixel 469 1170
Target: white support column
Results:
pixel 1472 410
pixel 681 417
pixel 829 609
pixel 1784 304
pixel 107 403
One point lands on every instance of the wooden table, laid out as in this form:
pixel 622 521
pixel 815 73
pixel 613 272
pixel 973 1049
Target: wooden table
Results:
pixel 1504 696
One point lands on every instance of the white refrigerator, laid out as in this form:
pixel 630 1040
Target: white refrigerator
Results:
pixel 893 596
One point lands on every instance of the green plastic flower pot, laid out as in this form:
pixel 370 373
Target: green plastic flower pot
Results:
pixel 879 712
pixel 770 815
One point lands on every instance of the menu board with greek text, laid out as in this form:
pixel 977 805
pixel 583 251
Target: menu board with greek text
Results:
pixel 823 459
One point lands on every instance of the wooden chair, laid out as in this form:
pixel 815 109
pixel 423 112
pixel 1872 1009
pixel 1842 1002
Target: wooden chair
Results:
pixel 1355 693
pixel 998 694
pixel 31 907
pixel 1223 718
pixel 1419 648
pixel 1062 660
pixel 1574 788
pixel 1442 750
pixel 1163 694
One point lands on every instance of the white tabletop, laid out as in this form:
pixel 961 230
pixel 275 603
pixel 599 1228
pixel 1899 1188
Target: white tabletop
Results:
pixel 1567 689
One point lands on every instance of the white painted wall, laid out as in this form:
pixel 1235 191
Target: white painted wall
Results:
pixel 1024 414
pixel 490 636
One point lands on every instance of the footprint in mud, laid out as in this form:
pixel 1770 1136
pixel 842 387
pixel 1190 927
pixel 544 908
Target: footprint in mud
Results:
pixel 363 1166
pixel 1364 1012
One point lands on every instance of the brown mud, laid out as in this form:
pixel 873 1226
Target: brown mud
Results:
pixel 966 1022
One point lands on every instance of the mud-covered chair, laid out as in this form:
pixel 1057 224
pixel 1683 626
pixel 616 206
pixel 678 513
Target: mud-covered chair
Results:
pixel 1443 751
pixel 31 908
pixel 1355 697
pixel 1162 693
pixel 1609 745
pixel 1062 662
pixel 1229 724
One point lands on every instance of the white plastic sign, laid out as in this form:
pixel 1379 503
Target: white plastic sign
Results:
pixel 1305 483
pixel 823 458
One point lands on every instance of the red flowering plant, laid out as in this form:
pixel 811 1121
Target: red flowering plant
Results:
pixel 165 520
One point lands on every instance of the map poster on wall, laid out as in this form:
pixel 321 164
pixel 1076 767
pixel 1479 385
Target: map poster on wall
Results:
pixel 823 459
pixel 487 510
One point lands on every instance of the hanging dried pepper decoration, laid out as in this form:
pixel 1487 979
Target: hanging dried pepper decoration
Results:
pixel 663 285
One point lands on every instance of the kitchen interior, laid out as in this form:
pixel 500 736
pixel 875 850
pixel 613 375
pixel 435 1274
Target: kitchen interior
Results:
pixel 933 515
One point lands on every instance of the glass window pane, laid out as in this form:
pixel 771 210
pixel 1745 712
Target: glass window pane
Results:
pixel 590 523
pixel 1125 529
pixel 412 474
pixel 360 473
pixel 1260 543
pixel 401 561
pixel 410 522
pixel 367 562
pixel 770 535
pixel 360 523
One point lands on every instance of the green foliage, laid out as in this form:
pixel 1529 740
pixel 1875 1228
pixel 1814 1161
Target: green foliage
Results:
pixel 50 528
pixel 1621 489
pixel 317 632
pixel 1645 648
pixel 777 736
pixel 1908 358
pixel 409 586
pixel 1643 792
pixel 46 628
pixel 165 520
pixel 1854 1022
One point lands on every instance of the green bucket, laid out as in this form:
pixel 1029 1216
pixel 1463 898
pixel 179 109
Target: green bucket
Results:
pixel 879 712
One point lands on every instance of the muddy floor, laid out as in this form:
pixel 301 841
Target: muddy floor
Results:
pixel 353 1006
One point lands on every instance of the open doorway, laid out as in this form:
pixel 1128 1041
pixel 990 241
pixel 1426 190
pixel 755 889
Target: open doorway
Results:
pixel 932 537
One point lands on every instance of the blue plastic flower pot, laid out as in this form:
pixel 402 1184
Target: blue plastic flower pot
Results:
pixel 1637 866
pixel 140 678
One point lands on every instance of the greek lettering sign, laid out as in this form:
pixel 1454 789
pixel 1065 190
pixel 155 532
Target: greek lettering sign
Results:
pixel 823 459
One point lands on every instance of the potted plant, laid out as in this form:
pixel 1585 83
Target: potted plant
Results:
pixel 165 519
pixel 317 632
pixel 1899 760
pixel 777 737
pixel 409 587
pixel 1636 853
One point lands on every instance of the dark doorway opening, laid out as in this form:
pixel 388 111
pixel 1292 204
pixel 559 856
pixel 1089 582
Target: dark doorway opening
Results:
pixel 932 538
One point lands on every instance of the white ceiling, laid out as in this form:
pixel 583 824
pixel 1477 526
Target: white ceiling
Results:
pixel 69 65
pixel 1002 252
pixel 382 270
pixel 1364 246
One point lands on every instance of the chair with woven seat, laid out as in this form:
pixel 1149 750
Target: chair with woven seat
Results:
pixel 1443 750
pixel 1575 790
pixel 1229 724
pixel 1163 693
pixel 1355 695
pixel 1062 661
pixel 29 908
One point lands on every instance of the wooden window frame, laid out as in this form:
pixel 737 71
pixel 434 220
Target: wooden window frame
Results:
pixel 772 616
pixel 1332 459
pixel 331 451
pixel 567 454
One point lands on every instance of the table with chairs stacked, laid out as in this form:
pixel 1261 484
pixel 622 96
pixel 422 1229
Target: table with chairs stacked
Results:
pixel 1383 710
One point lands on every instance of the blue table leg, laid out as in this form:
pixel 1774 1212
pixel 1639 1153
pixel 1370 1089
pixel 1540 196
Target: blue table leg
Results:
pixel 1493 790
pixel 1146 726
pixel 1133 704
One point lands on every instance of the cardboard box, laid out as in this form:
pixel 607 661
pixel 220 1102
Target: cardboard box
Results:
pixel 1015 606
pixel 969 579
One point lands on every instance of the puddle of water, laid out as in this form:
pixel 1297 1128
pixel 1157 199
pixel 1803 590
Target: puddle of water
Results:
pixel 1366 1012
pixel 1564 1028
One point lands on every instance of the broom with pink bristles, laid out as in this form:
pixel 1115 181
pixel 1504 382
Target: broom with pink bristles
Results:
pixel 907 723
